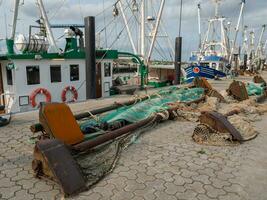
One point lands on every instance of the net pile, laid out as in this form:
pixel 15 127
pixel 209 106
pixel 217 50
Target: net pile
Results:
pixel 205 135
pixel 249 111
pixel 101 161
pixel 145 109
pixel 255 89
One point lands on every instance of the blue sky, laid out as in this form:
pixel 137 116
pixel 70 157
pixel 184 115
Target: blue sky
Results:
pixel 73 11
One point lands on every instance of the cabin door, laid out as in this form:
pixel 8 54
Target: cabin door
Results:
pixel 98 81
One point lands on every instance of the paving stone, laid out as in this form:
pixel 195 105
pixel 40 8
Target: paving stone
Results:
pixel 26 184
pixel 204 197
pixel 122 195
pixel 131 174
pixel 9 192
pixel 22 195
pixel 40 186
pixel 235 188
pixel 22 175
pixel 142 178
pixel 132 185
pixel 106 191
pixel 203 178
pixel 167 176
pixel 187 173
pixel 218 183
pixel 137 198
pixel 6 182
pixel 213 192
pixel 147 193
pixel 196 187
pixel 47 195
pixel 188 194
pixel 162 195
pixel 119 182
pixel 230 196
pixel 157 184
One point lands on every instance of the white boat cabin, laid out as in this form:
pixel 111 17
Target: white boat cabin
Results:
pixel 28 79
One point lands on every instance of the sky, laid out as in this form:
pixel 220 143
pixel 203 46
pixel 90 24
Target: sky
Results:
pixel 73 11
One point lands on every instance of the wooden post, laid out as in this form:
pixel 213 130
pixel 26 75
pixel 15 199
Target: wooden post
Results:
pixel 90 55
pixel 178 60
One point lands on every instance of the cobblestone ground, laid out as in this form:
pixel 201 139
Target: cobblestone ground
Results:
pixel 163 164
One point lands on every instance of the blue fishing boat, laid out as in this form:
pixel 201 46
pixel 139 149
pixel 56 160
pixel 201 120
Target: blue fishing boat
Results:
pixel 215 53
pixel 210 67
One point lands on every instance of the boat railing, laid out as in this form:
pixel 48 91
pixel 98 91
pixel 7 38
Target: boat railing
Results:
pixel 195 53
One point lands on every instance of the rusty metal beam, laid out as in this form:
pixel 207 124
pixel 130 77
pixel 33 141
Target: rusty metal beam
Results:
pixel 54 160
pixel 237 89
pixel 84 146
pixel 220 123
pixel 38 127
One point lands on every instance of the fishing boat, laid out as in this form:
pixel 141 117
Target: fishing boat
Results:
pixel 34 69
pixel 253 56
pixel 215 55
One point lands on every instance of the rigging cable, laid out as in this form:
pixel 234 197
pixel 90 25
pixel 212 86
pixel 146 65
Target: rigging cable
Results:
pixel 106 42
pixel 58 10
pixel 81 10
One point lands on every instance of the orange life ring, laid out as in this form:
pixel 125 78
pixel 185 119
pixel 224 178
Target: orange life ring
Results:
pixel 71 89
pixel 39 91
pixel 196 70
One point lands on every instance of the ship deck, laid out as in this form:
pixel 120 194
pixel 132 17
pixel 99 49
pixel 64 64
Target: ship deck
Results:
pixel 163 164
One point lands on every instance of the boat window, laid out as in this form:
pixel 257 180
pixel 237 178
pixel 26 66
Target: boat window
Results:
pixel 55 73
pixel 74 72
pixel 107 69
pixel 33 75
pixel 206 64
pixel 214 65
pixel 9 76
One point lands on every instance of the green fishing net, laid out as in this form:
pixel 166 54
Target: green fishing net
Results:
pixel 255 89
pixel 102 160
pixel 147 108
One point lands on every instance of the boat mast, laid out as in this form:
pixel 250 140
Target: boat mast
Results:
pixel 264 46
pixel 15 18
pixel 245 41
pixel 127 28
pixel 155 32
pixel 47 26
pixel 237 29
pixel 252 44
pixel 199 26
pixel 143 28
pixel 259 46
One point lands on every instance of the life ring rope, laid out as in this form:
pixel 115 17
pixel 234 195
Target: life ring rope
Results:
pixel 72 90
pixel 41 91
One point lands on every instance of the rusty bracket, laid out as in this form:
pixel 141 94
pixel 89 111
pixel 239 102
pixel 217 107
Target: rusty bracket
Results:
pixel 53 158
pixel 259 79
pixel 237 89
pixel 202 83
pixel 220 123
pixel 215 93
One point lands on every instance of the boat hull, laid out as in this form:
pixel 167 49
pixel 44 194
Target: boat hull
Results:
pixel 202 71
